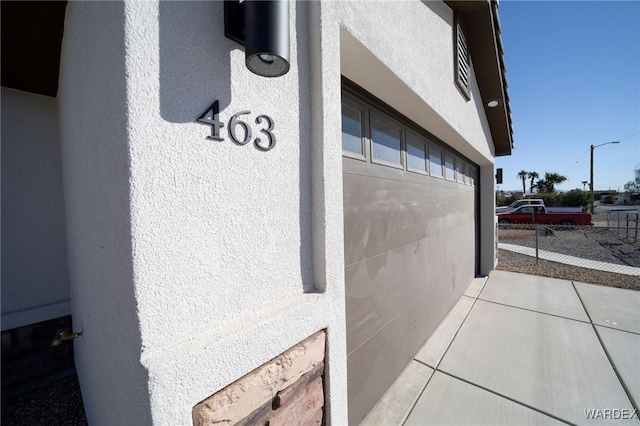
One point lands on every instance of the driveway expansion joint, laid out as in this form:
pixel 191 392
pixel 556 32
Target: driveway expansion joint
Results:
pixel 504 396
pixel 537 312
pixel 606 352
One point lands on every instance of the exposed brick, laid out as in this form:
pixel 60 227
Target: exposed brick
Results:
pixel 317 418
pixel 252 392
pixel 262 415
pixel 284 397
pixel 302 409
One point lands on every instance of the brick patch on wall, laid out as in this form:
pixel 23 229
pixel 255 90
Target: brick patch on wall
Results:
pixel 288 390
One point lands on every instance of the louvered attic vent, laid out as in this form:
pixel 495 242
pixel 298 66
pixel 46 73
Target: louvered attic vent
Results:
pixel 463 66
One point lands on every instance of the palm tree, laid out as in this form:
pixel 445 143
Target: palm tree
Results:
pixel 532 176
pixel 543 186
pixel 522 174
pixel 552 179
pixel 584 184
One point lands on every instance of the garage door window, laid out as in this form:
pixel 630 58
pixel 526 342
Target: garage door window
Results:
pixel 460 168
pixel 416 154
pixel 435 160
pixel 385 140
pixel 352 130
pixel 374 133
pixel 471 175
pixel 450 171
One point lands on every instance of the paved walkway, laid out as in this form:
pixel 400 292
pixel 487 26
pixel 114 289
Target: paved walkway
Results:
pixel 571 260
pixel 523 349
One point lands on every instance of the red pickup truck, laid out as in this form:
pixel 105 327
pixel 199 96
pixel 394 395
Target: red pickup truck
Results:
pixel 538 214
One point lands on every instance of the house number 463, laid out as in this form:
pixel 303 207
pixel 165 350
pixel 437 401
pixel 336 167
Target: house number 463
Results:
pixel 265 141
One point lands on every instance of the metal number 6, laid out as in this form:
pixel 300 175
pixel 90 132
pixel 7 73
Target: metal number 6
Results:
pixel 267 131
pixel 233 123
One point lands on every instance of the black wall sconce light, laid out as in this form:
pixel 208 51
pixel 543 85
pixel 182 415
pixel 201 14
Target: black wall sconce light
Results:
pixel 262 26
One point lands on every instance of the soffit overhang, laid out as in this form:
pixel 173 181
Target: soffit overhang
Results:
pixel 482 25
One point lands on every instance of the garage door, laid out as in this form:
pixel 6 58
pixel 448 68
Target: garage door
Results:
pixel 410 236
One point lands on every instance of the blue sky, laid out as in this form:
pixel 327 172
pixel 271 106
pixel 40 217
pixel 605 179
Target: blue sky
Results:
pixel 573 69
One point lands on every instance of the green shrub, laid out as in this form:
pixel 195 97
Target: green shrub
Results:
pixel 550 199
pixel 504 200
pixel 575 198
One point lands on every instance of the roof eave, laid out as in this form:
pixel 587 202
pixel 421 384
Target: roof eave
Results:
pixel 485 45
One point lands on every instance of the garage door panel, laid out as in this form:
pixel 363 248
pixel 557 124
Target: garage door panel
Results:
pixel 410 246
pixel 380 288
pixel 451 258
pixel 374 365
pixel 381 215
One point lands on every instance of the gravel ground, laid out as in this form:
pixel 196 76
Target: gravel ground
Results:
pixel 516 262
pixel 587 242
pixel 58 403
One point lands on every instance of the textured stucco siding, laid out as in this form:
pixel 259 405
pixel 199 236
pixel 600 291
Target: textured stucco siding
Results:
pixel 96 178
pixel 403 53
pixel 221 233
pixel 191 258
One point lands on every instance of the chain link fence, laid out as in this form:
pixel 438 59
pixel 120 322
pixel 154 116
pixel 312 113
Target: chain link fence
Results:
pixel 625 222
pixel 609 249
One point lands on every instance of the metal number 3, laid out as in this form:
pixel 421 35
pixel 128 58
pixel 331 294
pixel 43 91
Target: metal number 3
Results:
pixel 268 132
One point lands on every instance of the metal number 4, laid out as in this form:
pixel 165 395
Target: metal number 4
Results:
pixel 210 117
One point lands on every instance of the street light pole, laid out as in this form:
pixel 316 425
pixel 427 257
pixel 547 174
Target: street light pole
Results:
pixel 591 174
pixel 593 201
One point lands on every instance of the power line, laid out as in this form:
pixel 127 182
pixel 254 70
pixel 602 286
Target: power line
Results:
pixel 587 150
pixel 578 160
pixel 627 137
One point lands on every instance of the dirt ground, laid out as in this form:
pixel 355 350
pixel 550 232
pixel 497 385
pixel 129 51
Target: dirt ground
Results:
pixel 515 262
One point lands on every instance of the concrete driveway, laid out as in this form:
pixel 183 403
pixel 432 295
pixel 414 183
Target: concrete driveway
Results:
pixel 523 349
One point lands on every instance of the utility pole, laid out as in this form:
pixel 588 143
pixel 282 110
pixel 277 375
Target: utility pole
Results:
pixel 593 201
pixel 591 169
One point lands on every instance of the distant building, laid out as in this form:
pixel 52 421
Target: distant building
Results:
pixel 601 195
pixel 627 198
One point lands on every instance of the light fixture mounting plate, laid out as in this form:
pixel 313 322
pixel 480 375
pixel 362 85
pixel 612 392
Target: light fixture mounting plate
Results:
pixel 234 20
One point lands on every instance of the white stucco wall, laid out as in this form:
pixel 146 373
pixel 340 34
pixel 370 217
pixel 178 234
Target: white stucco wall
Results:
pixel 95 145
pixel 35 285
pixel 410 66
pixel 193 261
pixel 222 234
pixel 218 276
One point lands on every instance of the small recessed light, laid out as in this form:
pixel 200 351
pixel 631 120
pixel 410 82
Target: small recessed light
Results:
pixel 493 103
